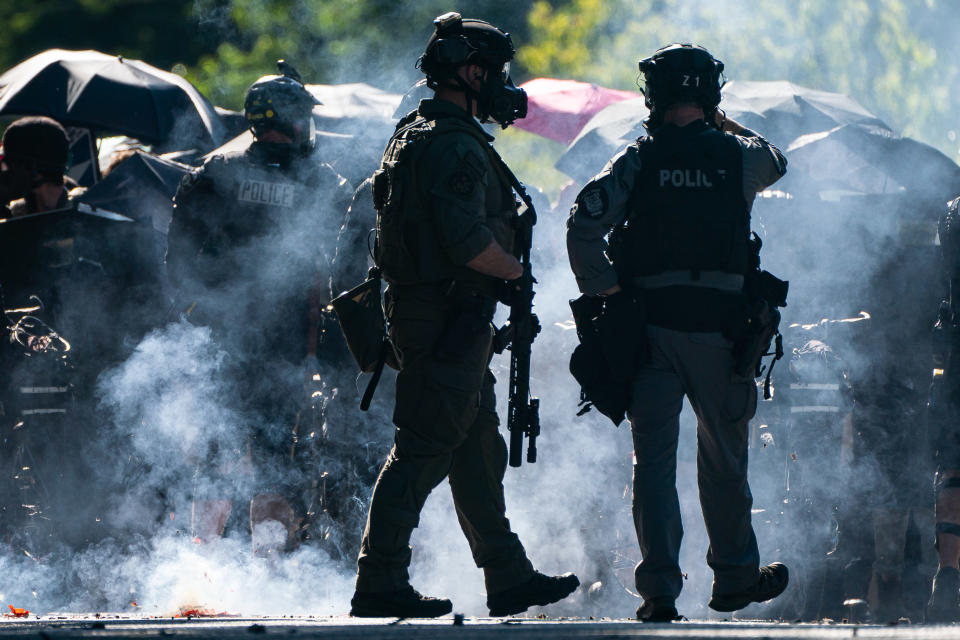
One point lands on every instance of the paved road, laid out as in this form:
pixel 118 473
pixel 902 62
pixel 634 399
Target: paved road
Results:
pixel 118 627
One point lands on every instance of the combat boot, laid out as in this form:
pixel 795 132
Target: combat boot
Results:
pixel 661 609
pixel 944 604
pixel 771 582
pixel 540 590
pixel 402 603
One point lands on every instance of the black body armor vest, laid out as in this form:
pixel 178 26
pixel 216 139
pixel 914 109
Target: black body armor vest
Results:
pixel 688 211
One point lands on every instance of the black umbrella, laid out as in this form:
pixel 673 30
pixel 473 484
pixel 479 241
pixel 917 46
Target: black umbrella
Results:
pixel 111 94
pixel 141 187
pixel 861 159
pixel 781 111
pixel 354 108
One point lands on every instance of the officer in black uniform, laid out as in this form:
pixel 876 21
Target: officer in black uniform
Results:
pixel 944 434
pixel 249 247
pixel 680 200
pixel 445 216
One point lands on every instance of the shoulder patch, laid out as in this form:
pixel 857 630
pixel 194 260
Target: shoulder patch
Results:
pixel 593 201
pixel 461 182
pixel 474 162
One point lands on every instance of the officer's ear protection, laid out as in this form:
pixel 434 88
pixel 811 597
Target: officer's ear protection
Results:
pixel 451 47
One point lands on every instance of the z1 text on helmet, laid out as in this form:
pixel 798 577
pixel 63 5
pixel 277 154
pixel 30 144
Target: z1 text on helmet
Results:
pixel 681 73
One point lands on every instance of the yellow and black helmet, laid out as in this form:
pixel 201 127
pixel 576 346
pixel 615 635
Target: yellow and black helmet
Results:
pixel 279 102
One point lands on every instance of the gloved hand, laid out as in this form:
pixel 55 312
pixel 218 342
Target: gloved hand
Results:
pixel 310 367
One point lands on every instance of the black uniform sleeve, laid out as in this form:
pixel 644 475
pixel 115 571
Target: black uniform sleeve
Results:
pixel 188 227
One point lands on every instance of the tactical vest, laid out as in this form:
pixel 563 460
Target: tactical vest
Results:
pixel 407 247
pixel 687 210
pixel 949 231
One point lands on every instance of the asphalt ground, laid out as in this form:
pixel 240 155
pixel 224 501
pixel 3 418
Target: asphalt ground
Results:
pixel 110 627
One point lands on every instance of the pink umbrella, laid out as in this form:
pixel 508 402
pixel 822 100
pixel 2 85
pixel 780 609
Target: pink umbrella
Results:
pixel 558 109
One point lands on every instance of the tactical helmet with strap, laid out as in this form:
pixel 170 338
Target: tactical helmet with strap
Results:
pixel 456 42
pixel 281 103
pixel 680 73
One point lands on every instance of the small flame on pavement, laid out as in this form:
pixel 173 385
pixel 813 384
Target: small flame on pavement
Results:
pixel 200 612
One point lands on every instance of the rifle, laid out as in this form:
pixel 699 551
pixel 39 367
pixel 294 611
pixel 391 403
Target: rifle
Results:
pixel 520 332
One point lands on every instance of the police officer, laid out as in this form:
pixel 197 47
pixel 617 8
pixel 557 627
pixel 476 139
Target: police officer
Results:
pixel 249 247
pixel 944 605
pixel 444 236
pixel 680 198
pixel 35 151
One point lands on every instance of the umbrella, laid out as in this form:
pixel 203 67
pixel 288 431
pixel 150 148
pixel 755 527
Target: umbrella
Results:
pixel 112 94
pixel 141 187
pixel 233 122
pixel 605 134
pixel 558 109
pixel 347 105
pixel 781 111
pixel 865 159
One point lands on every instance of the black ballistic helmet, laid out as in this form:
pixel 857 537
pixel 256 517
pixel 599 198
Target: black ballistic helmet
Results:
pixel 281 103
pixel 680 73
pixel 38 143
pixel 456 42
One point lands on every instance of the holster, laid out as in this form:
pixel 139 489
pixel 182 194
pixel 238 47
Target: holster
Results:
pixel 469 320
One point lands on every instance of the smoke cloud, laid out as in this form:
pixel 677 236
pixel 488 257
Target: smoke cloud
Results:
pixel 171 401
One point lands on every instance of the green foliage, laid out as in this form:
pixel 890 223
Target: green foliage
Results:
pixel 160 32
pixel 375 41
pixel 899 58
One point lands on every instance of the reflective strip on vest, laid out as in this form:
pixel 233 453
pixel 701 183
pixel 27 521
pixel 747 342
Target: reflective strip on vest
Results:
pixel 815 386
pixel 709 279
pixel 822 408
pixel 44 389
pixel 41 412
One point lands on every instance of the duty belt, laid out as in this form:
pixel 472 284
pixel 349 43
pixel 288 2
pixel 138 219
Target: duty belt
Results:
pixel 709 279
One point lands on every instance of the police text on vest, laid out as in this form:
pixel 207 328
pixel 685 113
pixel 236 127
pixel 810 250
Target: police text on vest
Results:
pixel 273 193
pixel 680 178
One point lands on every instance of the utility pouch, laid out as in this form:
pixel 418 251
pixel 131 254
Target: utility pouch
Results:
pixel 360 315
pixel 763 285
pixel 600 385
pixel 762 329
pixel 468 321
pixel 623 337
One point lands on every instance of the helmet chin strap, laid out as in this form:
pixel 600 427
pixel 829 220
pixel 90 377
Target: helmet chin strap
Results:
pixel 471 94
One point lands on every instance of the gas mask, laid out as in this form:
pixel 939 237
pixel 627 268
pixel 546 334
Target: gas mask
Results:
pixel 500 100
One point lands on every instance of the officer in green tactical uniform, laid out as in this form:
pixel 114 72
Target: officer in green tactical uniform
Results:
pixel 249 249
pixel 680 201
pixel 444 236
pixel 944 603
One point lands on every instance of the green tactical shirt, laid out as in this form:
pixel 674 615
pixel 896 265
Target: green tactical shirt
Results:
pixel 461 201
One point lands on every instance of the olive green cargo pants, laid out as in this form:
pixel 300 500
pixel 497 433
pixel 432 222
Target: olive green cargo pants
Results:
pixel 446 427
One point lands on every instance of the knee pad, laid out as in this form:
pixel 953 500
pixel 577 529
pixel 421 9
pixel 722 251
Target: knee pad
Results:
pixel 949 528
